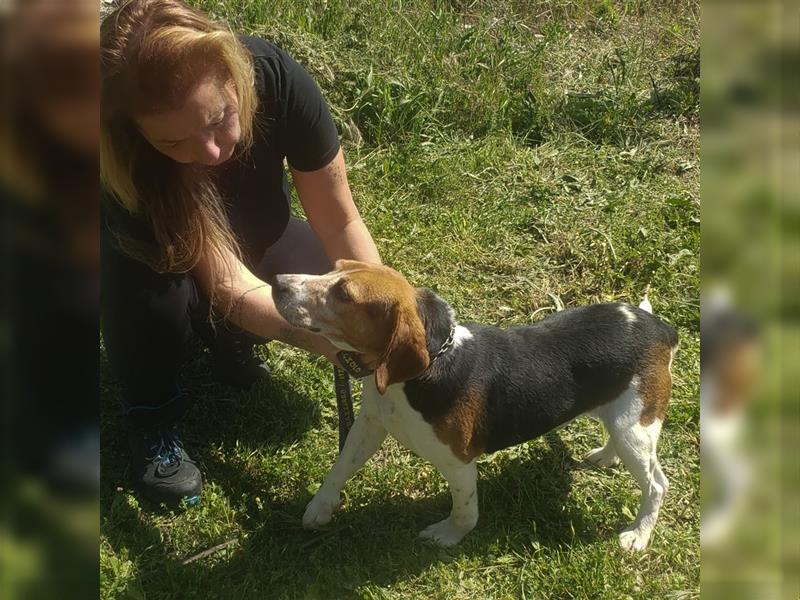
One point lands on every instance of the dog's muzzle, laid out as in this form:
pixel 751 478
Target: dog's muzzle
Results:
pixel 287 293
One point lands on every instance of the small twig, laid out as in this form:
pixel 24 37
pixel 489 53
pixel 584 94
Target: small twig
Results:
pixel 211 550
pixel 320 536
pixel 542 309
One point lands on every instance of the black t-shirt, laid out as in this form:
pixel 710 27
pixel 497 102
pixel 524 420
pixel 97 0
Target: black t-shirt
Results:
pixel 292 122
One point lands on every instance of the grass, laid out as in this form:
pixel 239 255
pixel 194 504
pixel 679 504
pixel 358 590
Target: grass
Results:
pixel 516 157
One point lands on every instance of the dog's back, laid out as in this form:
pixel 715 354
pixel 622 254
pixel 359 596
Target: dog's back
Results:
pixel 536 377
pixel 566 365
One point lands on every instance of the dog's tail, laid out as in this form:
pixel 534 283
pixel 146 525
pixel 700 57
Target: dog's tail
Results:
pixel 671 336
pixel 645 303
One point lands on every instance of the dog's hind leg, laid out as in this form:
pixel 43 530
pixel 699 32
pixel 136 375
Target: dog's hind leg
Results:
pixel 364 439
pixel 633 422
pixel 654 430
pixel 603 457
pixel 463 481
pixel 636 446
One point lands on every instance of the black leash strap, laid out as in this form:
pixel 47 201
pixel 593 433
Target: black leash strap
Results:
pixel 344 403
pixel 344 392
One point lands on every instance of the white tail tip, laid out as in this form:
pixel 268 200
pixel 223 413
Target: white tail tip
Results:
pixel 645 303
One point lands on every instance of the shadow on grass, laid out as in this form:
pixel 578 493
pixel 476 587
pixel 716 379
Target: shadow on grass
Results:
pixel 371 544
pixel 270 415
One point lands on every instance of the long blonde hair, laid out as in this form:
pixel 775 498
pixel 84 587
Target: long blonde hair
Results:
pixel 153 52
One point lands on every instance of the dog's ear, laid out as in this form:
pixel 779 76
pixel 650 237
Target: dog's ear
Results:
pixel 407 354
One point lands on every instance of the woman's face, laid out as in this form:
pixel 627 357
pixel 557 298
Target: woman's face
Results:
pixel 205 130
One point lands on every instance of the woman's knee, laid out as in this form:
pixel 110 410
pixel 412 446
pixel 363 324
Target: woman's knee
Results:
pixel 297 251
pixel 146 324
pixel 160 306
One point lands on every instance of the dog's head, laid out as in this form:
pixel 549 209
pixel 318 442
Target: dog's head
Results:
pixel 364 308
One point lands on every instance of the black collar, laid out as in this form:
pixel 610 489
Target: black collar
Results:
pixel 350 364
pixel 448 343
pixel 354 368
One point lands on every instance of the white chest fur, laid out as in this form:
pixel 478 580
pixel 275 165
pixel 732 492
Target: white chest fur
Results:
pixel 405 424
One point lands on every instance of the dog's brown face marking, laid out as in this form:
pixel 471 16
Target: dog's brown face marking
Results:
pixel 370 309
pixel 463 427
pixel 656 383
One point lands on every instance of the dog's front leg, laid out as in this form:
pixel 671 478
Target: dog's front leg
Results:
pixel 463 481
pixel 363 440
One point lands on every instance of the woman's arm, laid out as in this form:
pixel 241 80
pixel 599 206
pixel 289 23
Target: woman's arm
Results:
pixel 328 204
pixel 247 302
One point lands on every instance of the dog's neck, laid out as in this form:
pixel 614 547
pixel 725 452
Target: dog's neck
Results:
pixel 440 323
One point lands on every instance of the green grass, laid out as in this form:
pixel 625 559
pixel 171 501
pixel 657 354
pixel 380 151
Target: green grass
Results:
pixel 514 156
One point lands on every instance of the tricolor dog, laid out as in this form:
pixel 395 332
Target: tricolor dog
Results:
pixel 452 392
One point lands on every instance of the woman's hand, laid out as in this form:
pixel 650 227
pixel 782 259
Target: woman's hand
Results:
pixel 331 356
pixel 312 342
pixel 247 301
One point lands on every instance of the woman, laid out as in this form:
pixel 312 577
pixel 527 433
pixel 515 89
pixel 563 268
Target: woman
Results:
pixel 196 125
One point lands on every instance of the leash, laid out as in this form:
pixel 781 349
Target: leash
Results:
pixel 344 403
pixel 350 367
pixel 344 391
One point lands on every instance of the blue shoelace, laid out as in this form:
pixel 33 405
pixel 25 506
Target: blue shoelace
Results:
pixel 167 452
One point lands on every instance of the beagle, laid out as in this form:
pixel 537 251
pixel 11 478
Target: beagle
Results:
pixel 452 392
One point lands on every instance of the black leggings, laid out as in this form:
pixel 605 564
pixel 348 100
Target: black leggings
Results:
pixel 148 318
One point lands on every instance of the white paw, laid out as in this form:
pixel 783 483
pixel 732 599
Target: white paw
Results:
pixel 445 533
pixel 602 457
pixel 634 540
pixel 320 510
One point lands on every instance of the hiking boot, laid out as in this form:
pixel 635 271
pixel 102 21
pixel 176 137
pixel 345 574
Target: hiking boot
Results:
pixel 235 360
pixel 162 470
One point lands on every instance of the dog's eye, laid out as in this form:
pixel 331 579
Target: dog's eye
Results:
pixel 340 292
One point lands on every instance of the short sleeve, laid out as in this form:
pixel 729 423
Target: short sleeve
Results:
pixel 310 135
pixel 297 122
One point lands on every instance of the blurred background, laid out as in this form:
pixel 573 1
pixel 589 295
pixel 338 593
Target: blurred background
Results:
pixel 749 329
pixel 49 293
